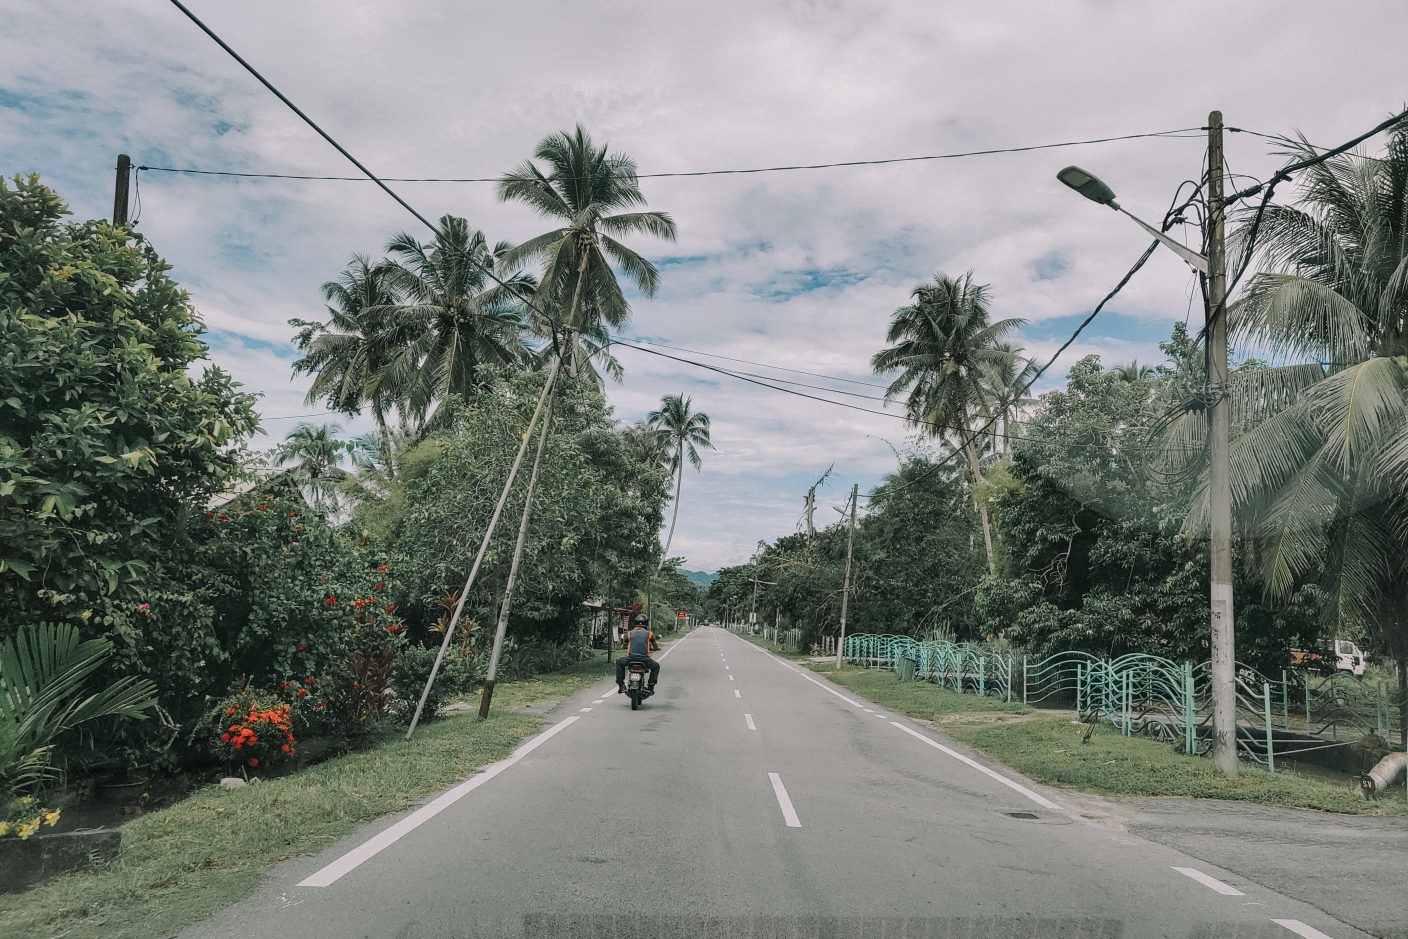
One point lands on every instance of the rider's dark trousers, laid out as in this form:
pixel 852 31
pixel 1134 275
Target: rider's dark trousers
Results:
pixel 648 662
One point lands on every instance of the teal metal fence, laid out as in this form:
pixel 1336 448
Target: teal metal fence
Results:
pixel 1153 696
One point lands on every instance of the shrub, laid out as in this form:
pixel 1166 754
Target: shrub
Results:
pixel 253 729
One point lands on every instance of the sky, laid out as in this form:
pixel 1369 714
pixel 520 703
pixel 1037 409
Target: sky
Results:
pixel 797 270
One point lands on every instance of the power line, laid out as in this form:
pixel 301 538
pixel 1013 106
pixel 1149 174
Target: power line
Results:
pixel 779 368
pixel 1180 134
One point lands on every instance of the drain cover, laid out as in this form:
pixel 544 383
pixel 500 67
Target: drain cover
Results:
pixel 1022 815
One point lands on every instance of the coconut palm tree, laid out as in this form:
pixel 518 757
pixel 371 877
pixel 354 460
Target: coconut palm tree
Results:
pixel 585 190
pixel 681 430
pixel 449 320
pixel 1320 461
pixel 1132 372
pixel 344 354
pixel 947 352
pixel 316 453
pixel 647 445
pixel 1011 379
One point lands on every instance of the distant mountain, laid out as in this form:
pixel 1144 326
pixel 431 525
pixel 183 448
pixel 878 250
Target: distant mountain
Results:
pixel 699 577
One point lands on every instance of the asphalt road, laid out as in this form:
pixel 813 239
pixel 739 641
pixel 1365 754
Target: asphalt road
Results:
pixel 750 798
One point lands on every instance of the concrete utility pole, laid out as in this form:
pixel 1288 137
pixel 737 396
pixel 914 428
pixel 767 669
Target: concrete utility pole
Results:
pixel 119 200
pixel 1224 647
pixel 753 616
pixel 846 584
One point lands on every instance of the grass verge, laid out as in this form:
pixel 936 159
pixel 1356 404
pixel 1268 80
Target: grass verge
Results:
pixel 1049 750
pixel 183 863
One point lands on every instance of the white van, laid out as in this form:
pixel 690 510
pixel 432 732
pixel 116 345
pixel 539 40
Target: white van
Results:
pixel 1348 658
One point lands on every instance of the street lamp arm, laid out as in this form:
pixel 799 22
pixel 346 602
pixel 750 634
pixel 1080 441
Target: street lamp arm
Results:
pixel 1195 260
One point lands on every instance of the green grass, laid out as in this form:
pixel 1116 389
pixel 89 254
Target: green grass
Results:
pixel 1049 750
pixel 179 865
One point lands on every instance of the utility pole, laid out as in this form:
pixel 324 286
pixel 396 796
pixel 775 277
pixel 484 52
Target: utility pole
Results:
pixel 753 616
pixel 1224 647
pixel 119 200
pixel 846 584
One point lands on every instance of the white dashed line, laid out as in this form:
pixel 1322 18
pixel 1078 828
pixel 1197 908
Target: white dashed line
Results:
pixel 789 814
pixel 598 700
pixel 730 677
pixel 737 693
pixel 585 710
pixel 867 710
pixel 1212 882
pixel 749 719
pixel 1300 929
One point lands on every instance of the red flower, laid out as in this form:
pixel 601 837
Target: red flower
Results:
pixel 322 704
pixel 209 514
pixel 253 761
pixel 391 608
pixel 378 587
pixel 356 686
pixel 303 692
pixel 309 680
pixel 302 646
pixel 261 508
pixel 331 601
pixel 224 518
pixel 292 514
pixel 392 629
pixel 287 749
pixel 229 710
pixel 225 738
pixel 360 603
pixel 382 568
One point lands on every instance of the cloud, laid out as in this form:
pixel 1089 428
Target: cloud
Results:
pixel 801 269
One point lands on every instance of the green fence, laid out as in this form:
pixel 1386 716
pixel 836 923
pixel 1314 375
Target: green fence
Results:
pixel 1297 713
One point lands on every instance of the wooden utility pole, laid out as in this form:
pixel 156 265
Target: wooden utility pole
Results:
pixel 119 200
pixel 1224 647
pixel 846 584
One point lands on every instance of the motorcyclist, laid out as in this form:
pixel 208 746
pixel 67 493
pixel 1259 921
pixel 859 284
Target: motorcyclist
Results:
pixel 641 642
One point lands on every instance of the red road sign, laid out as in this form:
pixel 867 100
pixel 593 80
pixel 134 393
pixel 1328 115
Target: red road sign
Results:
pixel 681 614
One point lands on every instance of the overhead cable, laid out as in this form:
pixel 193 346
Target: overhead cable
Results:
pixel 1181 133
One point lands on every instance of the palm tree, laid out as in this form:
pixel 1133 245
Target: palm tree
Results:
pixel 316 451
pixel 1133 373
pixel 681 430
pixel 585 190
pixel 449 320
pixel 947 353
pixel 1320 463
pixel 345 354
pixel 1011 380
pixel 647 445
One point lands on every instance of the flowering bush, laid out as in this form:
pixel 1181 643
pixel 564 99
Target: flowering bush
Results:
pixel 22 818
pixel 253 730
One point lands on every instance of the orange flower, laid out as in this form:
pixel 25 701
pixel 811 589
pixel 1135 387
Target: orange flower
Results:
pixel 253 761
pixel 225 738
pixel 229 710
pixel 303 692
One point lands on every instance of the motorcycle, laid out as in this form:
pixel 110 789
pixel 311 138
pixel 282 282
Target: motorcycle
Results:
pixel 636 689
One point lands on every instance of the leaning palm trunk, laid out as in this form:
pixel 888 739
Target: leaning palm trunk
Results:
pixel 674 516
pixel 980 503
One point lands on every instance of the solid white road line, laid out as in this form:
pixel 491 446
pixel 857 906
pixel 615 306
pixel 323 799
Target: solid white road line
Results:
pixel 1300 929
pixel 1212 882
pixel 789 814
pixel 380 842
pixel 737 693
pixel 804 675
pixel 1039 800
pixel 749 719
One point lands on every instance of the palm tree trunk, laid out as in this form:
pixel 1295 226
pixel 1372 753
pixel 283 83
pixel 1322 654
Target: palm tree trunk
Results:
pixel 982 505
pixel 674 517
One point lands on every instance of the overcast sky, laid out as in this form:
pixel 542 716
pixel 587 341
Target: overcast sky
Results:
pixel 796 269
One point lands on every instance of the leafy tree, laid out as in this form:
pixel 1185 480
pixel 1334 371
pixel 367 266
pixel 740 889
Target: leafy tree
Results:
pixel 681 429
pixel 946 352
pixel 108 446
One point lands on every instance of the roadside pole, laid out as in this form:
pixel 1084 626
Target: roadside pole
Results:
pixel 119 198
pixel 846 584
pixel 1224 648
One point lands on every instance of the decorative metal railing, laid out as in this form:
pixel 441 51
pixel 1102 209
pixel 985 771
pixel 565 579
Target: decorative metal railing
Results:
pixel 1151 695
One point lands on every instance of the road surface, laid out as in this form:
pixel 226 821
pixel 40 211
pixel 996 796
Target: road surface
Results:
pixel 751 798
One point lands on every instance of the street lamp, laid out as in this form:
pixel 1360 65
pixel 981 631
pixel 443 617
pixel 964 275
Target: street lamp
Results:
pixel 1222 631
pixel 1090 186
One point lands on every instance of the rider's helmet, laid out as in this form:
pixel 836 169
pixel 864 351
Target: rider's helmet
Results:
pixel 641 619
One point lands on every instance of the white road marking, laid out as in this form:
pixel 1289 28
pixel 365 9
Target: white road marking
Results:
pixel 598 700
pixel 1300 929
pixel 1212 882
pixel 1039 800
pixel 789 814
pixel 380 842
pixel 806 676
pixel 730 677
pixel 585 710
pixel 883 717
pixel 749 719
pixel 867 710
pixel 737 693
